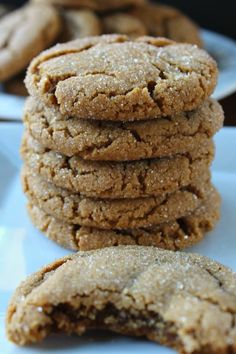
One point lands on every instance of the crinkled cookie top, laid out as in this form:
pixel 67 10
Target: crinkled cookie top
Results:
pixel 114 78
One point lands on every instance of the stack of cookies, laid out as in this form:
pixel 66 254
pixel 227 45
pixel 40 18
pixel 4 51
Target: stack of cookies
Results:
pixel 118 143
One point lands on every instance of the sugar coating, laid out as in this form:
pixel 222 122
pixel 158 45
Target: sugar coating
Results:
pixel 182 300
pixel 93 140
pixel 178 234
pixel 114 78
pixel 113 213
pixel 116 179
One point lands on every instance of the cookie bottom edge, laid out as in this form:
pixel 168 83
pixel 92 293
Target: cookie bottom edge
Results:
pixel 177 235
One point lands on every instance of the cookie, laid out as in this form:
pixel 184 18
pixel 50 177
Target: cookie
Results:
pixel 80 23
pixel 16 86
pixel 114 78
pixel 166 21
pixel 123 23
pixel 185 301
pixel 116 179
pixel 24 34
pixel 179 134
pixel 98 5
pixel 176 235
pixel 113 213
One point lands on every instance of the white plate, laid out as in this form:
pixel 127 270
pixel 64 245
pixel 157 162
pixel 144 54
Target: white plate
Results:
pixel 223 49
pixel 23 249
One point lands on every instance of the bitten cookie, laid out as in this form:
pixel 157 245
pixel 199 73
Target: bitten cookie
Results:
pixel 166 21
pixel 116 179
pixel 176 235
pixel 114 78
pixel 24 34
pixel 113 213
pixel 123 23
pixel 185 301
pixel 91 140
pixel 80 23
pixel 98 5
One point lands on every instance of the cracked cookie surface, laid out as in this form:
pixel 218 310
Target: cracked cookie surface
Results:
pixel 178 234
pixel 116 179
pixel 98 5
pixel 93 140
pixel 185 301
pixel 113 213
pixel 114 78
pixel 24 34
pixel 166 21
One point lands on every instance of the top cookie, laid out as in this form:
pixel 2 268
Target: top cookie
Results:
pixel 24 34
pixel 98 5
pixel 114 78
pixel 182 300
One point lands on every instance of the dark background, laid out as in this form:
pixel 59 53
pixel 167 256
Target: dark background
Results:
pixel 219 16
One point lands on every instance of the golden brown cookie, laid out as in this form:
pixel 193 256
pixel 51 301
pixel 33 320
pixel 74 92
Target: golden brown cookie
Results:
pixel 182 300
pixel 98 5
pixel 16 86
pixel 24 34
pixel 80 23
pixel 114 78
pixel 116 179
pixel 178 234
pixel 123 23
pixel 166 21
pixel 179 134
pixel 113 213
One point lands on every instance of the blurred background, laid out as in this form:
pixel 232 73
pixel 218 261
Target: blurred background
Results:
pixel 218 16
